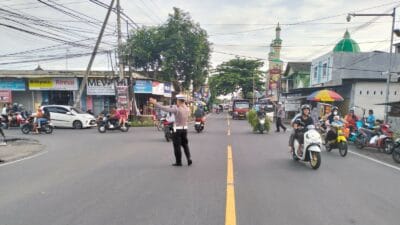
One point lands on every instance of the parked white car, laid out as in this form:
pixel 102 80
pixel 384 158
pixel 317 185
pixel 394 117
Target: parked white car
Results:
pixel 68 116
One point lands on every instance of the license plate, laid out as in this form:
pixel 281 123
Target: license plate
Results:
pixel 197 123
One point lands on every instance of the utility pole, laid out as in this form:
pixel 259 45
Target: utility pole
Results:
pixel 131 80
pixel 120 65
pixel 89 67
pixel 393 15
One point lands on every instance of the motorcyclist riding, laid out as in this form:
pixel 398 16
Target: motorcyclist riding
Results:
pixel 333 119
pixel 300 124
pixel 114 116
pixel 199 113
pixel 351 120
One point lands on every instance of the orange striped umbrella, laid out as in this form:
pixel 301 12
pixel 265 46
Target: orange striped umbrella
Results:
pixel 324 96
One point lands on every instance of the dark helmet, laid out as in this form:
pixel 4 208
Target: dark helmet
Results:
pixel 335 108
pixel 305 107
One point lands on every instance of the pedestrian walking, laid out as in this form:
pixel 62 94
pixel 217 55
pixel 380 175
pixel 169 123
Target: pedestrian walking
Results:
pixel 280 117
pixel 179 139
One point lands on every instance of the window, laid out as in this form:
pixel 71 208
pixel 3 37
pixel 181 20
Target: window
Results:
pixel 360 92
pixel 315 73
pixel 324 71
pixel 395 93
pixel 367 92
pixel 61 110
pixel 51 109
pixel 381 92
pixel 374 92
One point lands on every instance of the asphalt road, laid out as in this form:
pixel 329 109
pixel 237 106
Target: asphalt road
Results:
pixel 88 178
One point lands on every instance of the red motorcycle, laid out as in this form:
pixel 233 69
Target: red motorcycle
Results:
pixel 199 124
pixel 168 129
pixel 380 138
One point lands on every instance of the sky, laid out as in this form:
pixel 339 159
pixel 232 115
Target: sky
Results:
pixel 310 28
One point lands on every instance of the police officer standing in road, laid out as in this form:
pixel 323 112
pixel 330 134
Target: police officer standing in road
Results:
pixel 181 112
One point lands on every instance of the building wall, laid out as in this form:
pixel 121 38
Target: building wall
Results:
pixel 368 94
pixel 321 69
pixel 334 67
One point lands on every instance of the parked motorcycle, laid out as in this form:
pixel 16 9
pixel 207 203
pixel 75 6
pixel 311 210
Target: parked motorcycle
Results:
pixel 168 130
pixel 382 139
pixel 340 141
pixel 199 125
pixel 396 151
pixel 311 149
pixel 107 124
pixel 45 127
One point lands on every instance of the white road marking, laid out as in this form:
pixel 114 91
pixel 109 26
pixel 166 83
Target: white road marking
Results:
pixel 19 160
pixel 375 160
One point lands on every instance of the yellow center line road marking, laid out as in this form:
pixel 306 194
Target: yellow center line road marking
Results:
pixel 230 213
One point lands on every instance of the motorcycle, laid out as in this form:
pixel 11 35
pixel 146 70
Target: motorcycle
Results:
pixel 199 125
pixel 261 123
pixel 355 133
pixel 311 148
pixel 168 130
pixel 105 124
pixel 382 139
pixel 160 124
pixel 45 127
pixel 396 151
pixel 340 141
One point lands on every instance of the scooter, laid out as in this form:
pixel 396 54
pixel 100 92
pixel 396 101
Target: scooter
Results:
pixel 383 139
pixel 354 134
pixel 46 127
pixel 311 148
pixel 396 151
pixel 104 125
pixel 199 125
pixel 340 142
pixel 168 130
pixel 261 123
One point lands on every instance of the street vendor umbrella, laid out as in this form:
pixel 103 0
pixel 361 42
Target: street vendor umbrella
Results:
pixel 324 96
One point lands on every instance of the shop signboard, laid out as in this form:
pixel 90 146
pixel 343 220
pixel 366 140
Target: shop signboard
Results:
pixel 57 84
pixel 100 86
pixel 158 88
pixel 5 96
pixel 167 90
pixel 122 95
pixel 143 87
pixel 12 84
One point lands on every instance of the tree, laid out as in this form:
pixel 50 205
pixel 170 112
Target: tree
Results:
pixel 186 50
pixel 237 75
pixel 143 50
pixel 179 50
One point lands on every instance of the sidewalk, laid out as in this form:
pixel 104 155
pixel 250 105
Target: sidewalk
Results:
pixel 18 148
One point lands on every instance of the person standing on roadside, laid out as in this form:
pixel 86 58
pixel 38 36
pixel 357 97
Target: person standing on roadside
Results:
pixel 280 117
pixel 181 113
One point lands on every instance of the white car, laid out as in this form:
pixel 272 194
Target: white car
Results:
pixel 68 116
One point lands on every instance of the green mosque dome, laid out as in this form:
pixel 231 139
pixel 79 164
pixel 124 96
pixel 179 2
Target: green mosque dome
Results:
pixel 346 44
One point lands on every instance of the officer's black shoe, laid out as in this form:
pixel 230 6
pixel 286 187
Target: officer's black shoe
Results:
pixel 189 162
pixel 177 164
